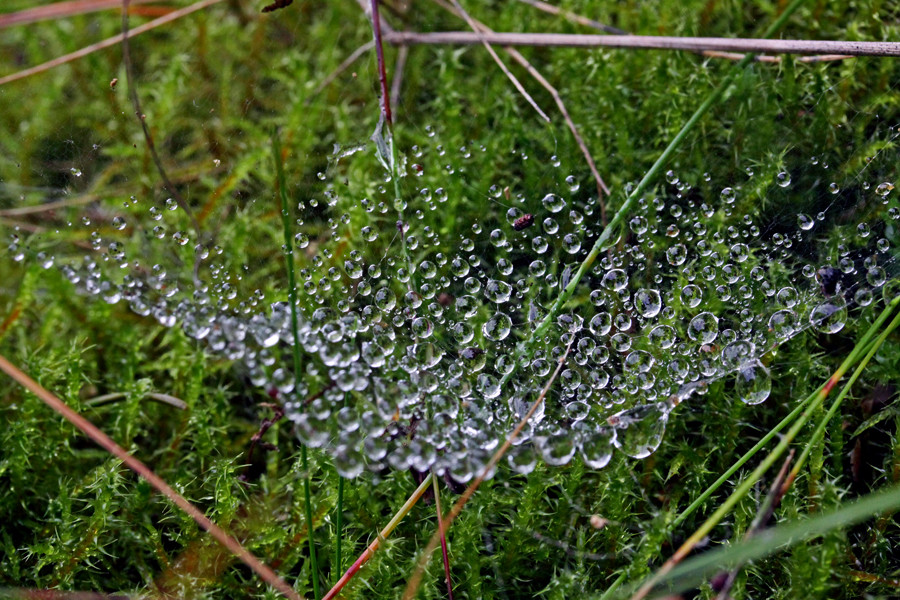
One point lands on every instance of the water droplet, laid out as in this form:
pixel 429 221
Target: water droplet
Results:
pixel 753 383
pixel 497 291
pixel 647 302
pixel 704 328
pixel 640 429
pixel 553 203
pixel 830 316
pixel 597 445
pixel 676 254
pixel 497 328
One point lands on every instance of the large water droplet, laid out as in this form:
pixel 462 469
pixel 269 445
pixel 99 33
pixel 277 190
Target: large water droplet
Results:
pixel 640 429
pixel 703 328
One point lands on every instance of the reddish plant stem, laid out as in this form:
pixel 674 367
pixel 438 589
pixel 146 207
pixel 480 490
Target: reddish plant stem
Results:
pixel 370 551
pixel 442 529
pixel 382 72
pixel 419 571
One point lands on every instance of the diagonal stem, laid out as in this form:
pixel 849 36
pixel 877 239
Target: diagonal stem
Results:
pixel 107 443
pixel 443 530
pixel 416 579
pixel 148 137
pixel 744 487
pixel 382 535
pixel 478 33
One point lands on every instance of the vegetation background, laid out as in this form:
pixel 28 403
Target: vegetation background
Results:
pixel 214 85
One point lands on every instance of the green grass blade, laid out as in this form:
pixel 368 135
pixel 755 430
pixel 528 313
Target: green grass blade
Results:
pixel 292 299
pixel 693 572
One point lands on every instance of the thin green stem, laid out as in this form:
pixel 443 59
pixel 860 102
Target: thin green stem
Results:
pixel 443 530
pixel 709 491
pixel 292 299
pixel 381 538
pixel 398 200
pixel 339 526
pixel 523 353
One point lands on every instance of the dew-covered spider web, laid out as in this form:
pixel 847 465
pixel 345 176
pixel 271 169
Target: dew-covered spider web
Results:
pixel 415 345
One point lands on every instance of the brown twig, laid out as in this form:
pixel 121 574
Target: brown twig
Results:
pixel 648 42
pixel 570 16
pixel 460 11
pixel 397 81
pixel 148 137
pixel 444 554
pixel 416 579
pixel 765 58
pixel 278 410
pixel 59 10
pixel 354 56
pixel 575 18
pixel 256 439
pixel 105 442
pixel 37 594
pixel 113 41
pixel 602 189
pixel 369 552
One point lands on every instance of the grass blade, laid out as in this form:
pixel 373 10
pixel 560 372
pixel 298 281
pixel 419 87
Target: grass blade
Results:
pixel 694 571
pixel 292 299
pixel 416 579
pixel 817 399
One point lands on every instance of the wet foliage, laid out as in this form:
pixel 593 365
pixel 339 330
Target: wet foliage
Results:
pixel 425 299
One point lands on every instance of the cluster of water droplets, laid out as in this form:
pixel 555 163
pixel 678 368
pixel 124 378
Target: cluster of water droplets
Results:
pixel 425 353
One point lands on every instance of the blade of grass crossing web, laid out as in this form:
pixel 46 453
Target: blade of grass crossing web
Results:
pixel 292 299
pixel 698 569
pixel 864 345
pixel 750 481
pixel 382 535
pixel 541 330
pixel 416 578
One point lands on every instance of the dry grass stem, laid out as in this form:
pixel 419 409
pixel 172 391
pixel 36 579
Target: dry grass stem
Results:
pixel 148 137
pixel 113 41
pixel 763 516
pixel 37 594
pixel 354 56
pixel 382 536
pixel 649 42
pixel 580 20
pixel 479 33
pixel 397 81
pixel 59 10
pixel 574 18
pixel 105 442
pixel 602 189
pixel 416 579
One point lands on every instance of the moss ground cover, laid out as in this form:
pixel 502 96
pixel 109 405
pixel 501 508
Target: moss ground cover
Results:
pixel 108 289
